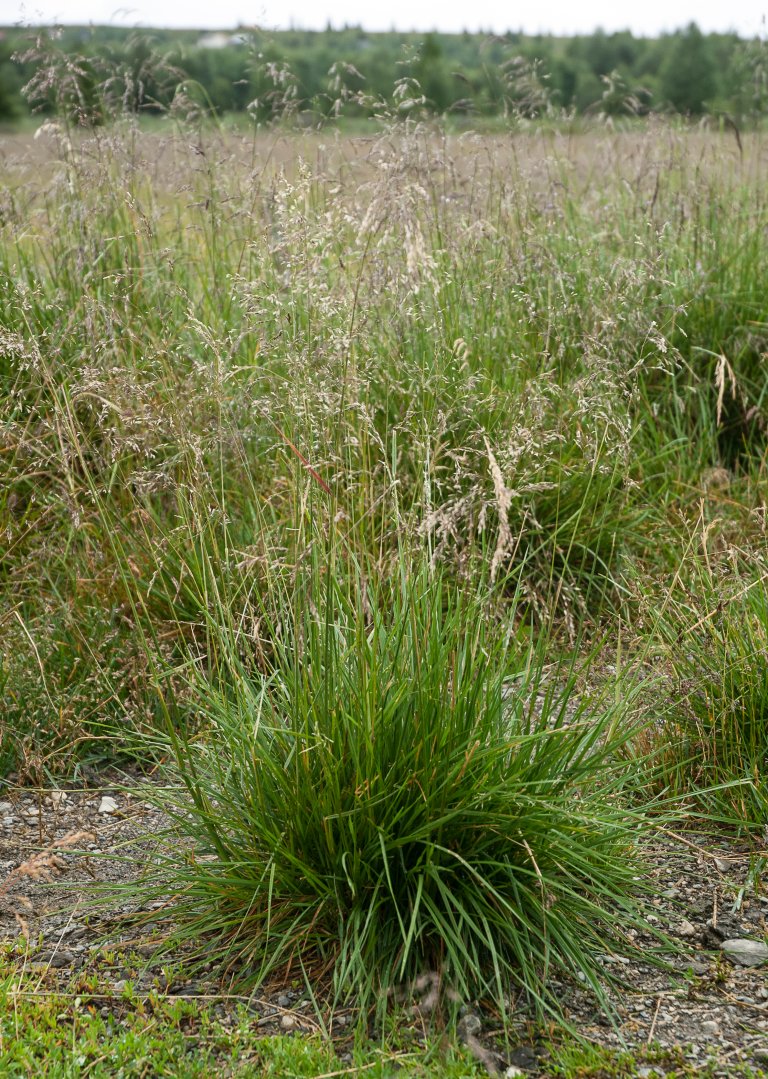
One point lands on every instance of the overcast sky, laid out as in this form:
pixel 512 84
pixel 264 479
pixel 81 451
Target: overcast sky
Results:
pixel 748 17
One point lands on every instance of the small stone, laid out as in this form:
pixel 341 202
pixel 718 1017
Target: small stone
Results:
pixel 710 1026
pixel 107 805
pixel 287 1022
pixel 58 959
pixel 120 986
pixel 283 1000
pixel 687 929
pixel 747 953
pixel 712 936
pixel 728 925
pixel 523 1057
pixel 469 1026
pixel 513 1072
pixel 761 1054
pixel 57 798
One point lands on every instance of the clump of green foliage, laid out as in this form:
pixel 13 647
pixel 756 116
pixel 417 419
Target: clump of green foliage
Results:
pixel 396 793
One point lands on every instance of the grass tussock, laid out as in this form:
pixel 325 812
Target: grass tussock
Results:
pixel 401 792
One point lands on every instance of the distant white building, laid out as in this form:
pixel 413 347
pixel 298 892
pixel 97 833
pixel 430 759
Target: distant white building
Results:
pixel 220 39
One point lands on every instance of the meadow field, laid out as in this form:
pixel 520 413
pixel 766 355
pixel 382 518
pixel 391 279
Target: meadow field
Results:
pixel 384 520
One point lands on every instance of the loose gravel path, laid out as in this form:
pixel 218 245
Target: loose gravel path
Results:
pixel 55 844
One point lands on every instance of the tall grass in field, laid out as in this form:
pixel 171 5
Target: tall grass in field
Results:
pixel 318 456
pixel 711 628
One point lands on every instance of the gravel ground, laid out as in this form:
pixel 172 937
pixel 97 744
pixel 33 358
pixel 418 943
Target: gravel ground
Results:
pixel 709 1001
pixel 55 844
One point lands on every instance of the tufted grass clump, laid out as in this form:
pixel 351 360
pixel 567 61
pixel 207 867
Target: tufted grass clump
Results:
pixel 405 790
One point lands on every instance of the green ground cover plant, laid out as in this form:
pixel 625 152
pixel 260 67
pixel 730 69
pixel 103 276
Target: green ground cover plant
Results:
pixel 162 1036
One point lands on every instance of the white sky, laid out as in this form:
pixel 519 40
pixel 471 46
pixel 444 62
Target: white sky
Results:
pixel 748 17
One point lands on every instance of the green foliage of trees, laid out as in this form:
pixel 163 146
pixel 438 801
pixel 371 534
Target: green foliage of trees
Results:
pixel 11 82
pixel 688 76
pixel 319 72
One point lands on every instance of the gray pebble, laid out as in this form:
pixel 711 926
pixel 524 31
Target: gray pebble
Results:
pixel 469 1026
pixel 58 959
pixel 747 953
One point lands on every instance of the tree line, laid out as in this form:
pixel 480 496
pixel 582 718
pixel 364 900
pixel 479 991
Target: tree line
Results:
pixel 89 71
